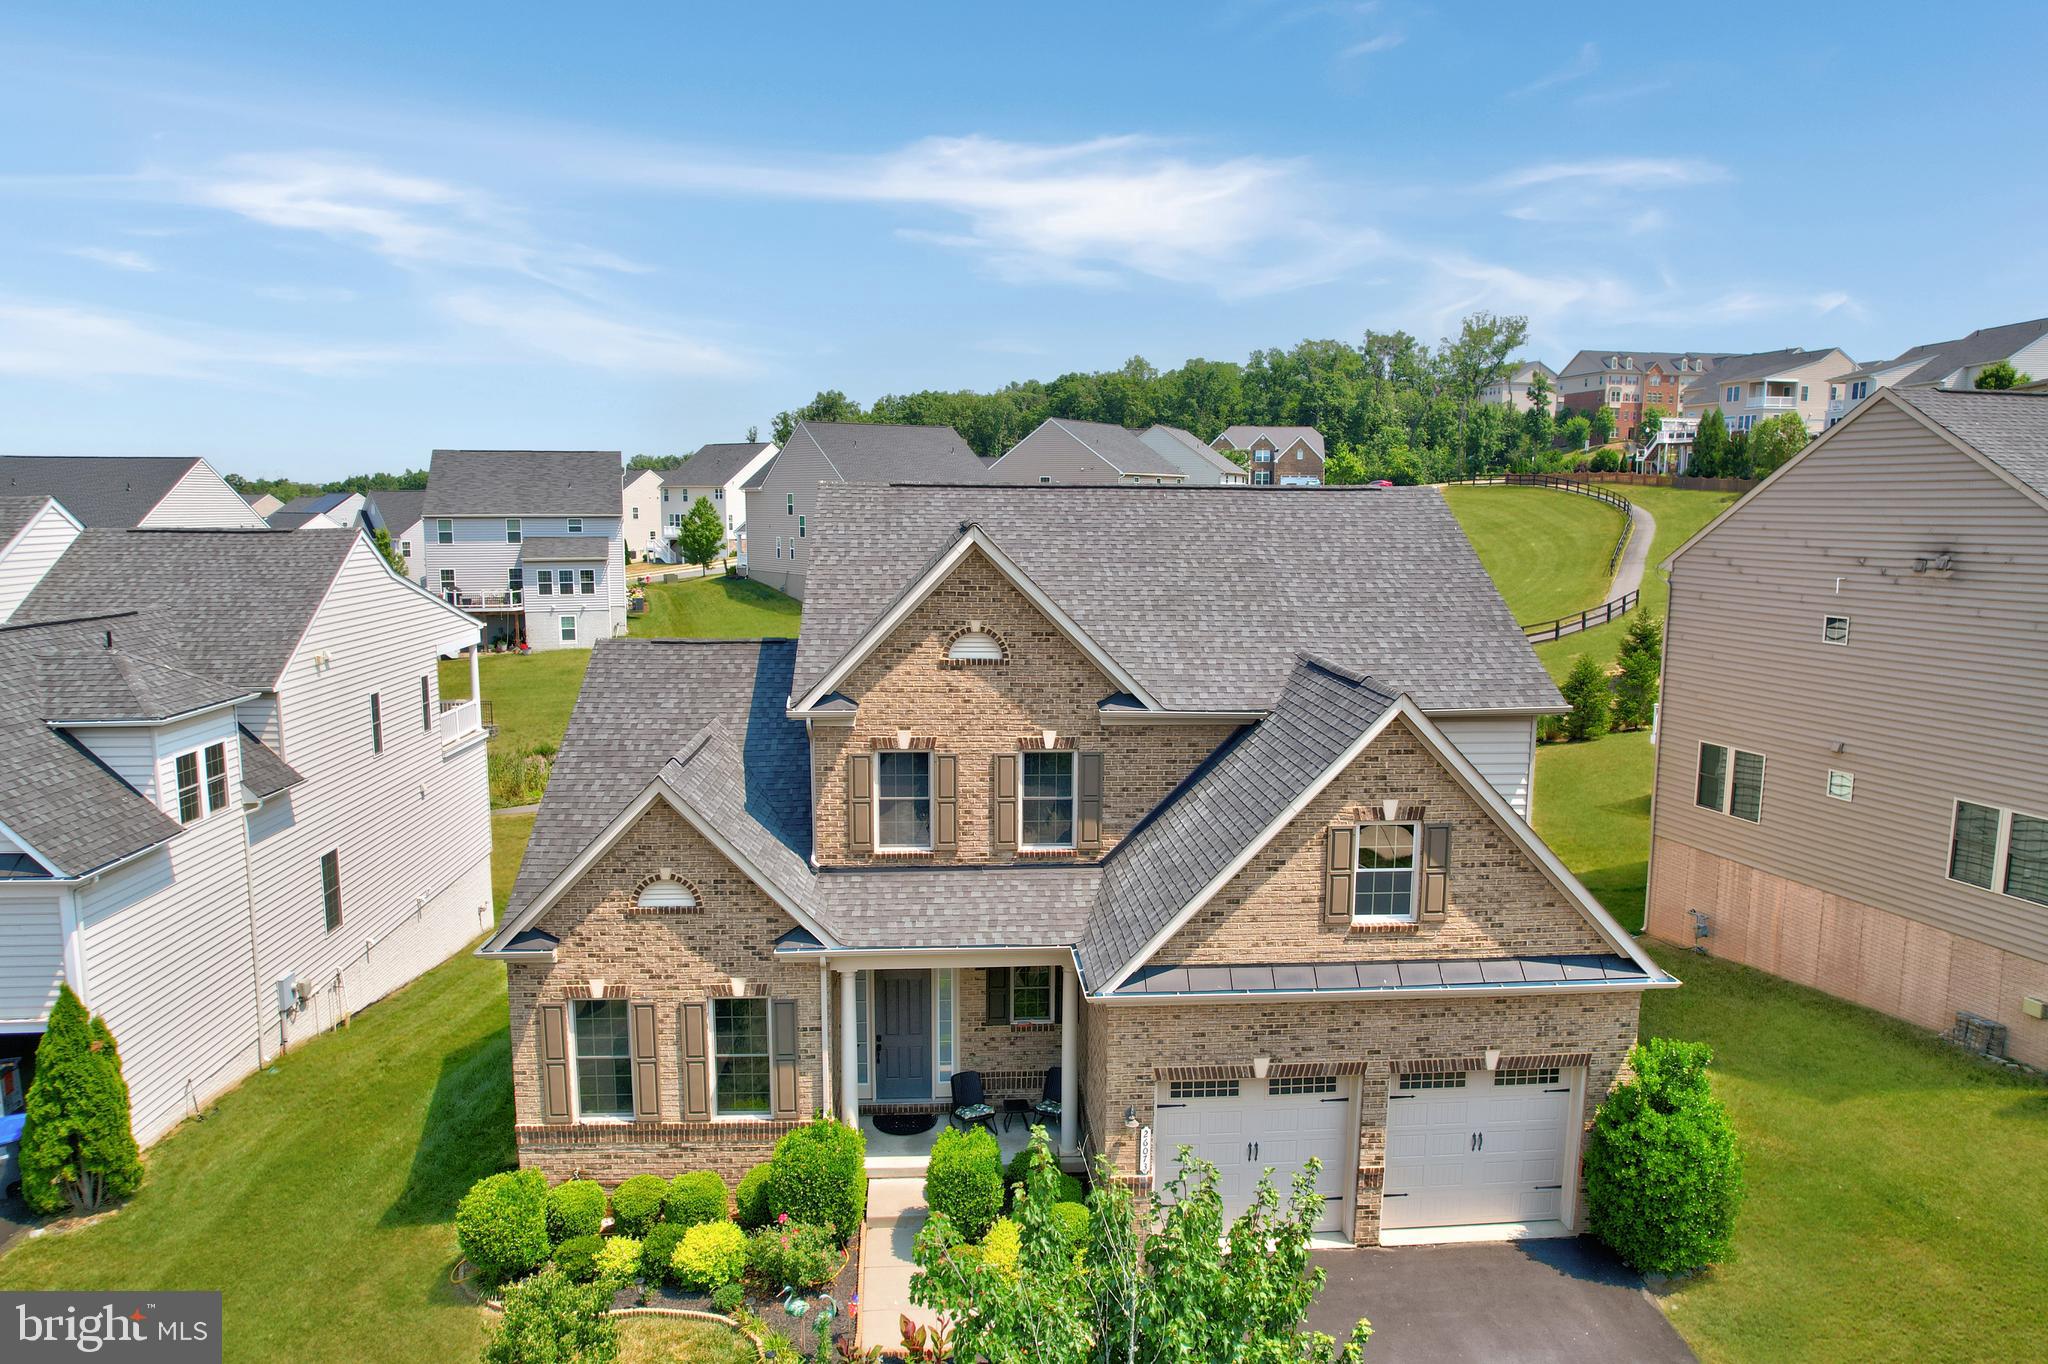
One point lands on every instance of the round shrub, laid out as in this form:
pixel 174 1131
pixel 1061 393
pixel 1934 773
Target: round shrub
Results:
pixel 1663 1172
pixel 750 1196
pixel 547 1317
pixel 1072 1220
pixel 711 1255
pixel 727 1297
pixel 698 1196
pixel 658 1253
pixel 502 1223
pixel 618 1260
pixel 964 1180
pixel 636 1204
pixel 792 1255
pixel 577 1257
pixel 575 1208
pixel 819 1175
pixel 1067 1189
pixel 1000 1248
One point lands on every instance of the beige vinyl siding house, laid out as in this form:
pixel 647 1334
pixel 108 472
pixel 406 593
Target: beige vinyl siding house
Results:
pixel 146 492
pixel 1751 389
pixel 34 533
pixel 1857 653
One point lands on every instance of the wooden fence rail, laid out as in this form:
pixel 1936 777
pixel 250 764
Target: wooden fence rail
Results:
pixel 1584 620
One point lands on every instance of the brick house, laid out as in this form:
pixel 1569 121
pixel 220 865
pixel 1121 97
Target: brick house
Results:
pixel 1210 869
pixel 1281 456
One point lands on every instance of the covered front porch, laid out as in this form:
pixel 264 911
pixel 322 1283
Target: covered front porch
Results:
pixel 915 1036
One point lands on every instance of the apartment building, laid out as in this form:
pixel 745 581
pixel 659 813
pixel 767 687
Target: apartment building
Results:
pixel 1747 389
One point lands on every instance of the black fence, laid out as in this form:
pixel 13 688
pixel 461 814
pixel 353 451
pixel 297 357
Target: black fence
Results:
pixel 1584 620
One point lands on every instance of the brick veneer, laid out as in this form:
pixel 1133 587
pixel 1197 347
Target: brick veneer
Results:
pixel 1046 683
pixel 999 1046
pixel 1501 904
pixel 666 960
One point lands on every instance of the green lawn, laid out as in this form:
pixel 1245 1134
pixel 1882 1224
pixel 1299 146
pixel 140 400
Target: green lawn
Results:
pixel 531 695
pixel 681 1340
pixel 1546 550
pixel 1593 809
pixel 317 1196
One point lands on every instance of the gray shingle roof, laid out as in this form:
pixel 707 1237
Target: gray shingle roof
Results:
pixel 316 502
pixel 16 513
pixel 525 483
pixel 99 490
pixel 84 686
pixel 1193 454
pixel 712 465
pixel 1005 906
pixel 1240 790
pixel 1242 437
pixel 1178 585
pixel 1981 347
pixel 1736 368
pixel 2009 429
pixel 1592 361
pixel 264 773
pixel 547 547
pixel 1121 448
pixel 760 477
pixel 398 508
pixel 285 519
pixel 873 452
pixel 230 605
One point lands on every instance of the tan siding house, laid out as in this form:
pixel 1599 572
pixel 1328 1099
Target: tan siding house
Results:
pixel 1865 638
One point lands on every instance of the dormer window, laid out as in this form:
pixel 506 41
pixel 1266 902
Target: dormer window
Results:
pixel 202 794
pixel 975 646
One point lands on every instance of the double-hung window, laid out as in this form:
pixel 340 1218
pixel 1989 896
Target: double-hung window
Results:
pixel 545 582
pixel 216 777
pixel 1834 630
pixel 789 504
pixel 576 523
pixel 515 583
pixel 511 530
pixel 426 705
pixel 800 531
pixel 1383 891
pixel 189 807
pixel 2002 850
pixel 444 531
pixel 448 583
pixel 1048 799
pixel 604 1058
pixel 568 626
pixel 376 723
pixel 742 1067
pixel 588 578
pixel 903 795
pixel 330 888
pixel 1730 782
pixel 1031 994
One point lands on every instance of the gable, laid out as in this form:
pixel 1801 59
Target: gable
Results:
pixel 1501 902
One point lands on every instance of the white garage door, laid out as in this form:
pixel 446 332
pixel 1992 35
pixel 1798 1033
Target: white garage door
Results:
pixel 1476 1149
pixel 1244 1127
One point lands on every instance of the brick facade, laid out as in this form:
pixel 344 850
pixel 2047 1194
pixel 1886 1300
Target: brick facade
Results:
pixel 1045 683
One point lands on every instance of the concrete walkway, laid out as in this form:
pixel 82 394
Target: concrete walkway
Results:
pixel 896 1213
pixel 1628 577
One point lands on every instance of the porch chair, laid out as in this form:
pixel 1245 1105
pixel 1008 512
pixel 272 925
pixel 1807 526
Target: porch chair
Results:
pixel 970 1102
pixel 1047 1109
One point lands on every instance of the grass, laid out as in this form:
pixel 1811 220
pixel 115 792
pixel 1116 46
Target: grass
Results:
pixel 1593 809
pixel 531 695
pixel 318 1195
pixel 681 1340
pixel 1894 1211
pixel 1545 550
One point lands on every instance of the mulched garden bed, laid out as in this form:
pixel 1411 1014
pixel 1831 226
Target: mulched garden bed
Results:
pixel 801 1329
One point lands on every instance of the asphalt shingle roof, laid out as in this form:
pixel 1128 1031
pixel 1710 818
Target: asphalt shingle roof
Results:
pixel 264 773
pixel 1243 437
pixel 16 513
pixel 2009 429
pixel 398 508
pixel 525 483
pixel 1740 367
pixel 1178 585
pixel 99 490
pixel 1121 448
pixel 546 547
pixel 874 452
pixel 1194 454
pixel 1941 358
pixel 712 465
pixel 84 686
pixel 1403 974
pixel 1221 807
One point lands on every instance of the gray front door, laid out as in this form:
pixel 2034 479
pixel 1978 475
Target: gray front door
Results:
pixel 903 1034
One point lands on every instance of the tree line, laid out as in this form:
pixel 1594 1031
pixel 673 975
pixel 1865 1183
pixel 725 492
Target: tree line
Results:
pixel 285 489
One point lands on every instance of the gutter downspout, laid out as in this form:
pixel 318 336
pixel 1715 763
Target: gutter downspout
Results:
pixel 255 968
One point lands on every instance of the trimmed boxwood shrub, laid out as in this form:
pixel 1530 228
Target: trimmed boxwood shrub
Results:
pixel 1002 1245
pixel 698 1196
pixel 575 1208
pixel 502 1223
pixel 964 1180
pixel 577 1257
pixel 1663 1171
pixel 658 1253
pixel 712 1254
pixel 750 1197
pixel 1072 1219
pixel 618 1260
pixel 819 1175
pixel 636 1204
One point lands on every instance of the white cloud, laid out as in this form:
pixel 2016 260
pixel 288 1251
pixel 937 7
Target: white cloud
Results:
pixel 1368 46
pixel 119 260
pixel 67 342
pixel 552 326
pixel 1615 173
pixel 1583 65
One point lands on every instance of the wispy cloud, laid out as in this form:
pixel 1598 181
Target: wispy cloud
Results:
pixel 1583 65
pixel 1615 173
pixel 551 326
pixel 118 260
pixel 306 293
pixel 1381 43
pixel 68 342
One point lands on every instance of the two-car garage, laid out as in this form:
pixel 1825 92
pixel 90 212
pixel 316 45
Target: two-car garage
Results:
pixel 1470 1154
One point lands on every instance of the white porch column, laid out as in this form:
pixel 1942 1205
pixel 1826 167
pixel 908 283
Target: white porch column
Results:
pixel 1070 1088
pixel 476 686
pixel 849 1060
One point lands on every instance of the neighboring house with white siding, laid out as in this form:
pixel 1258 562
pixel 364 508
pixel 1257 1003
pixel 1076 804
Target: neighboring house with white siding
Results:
pixel 1947 364
pixel 235 809
pixel 396 512
pixel 643 512
pixel 1511 390
pixel 719 473
pixel 34 533
pixel 1852 765
pixel 531 541
pixel 321 511
pixel 1748 389
pixel 149 492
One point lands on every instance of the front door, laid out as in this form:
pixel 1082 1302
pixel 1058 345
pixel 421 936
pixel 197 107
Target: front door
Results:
pixel 903 1035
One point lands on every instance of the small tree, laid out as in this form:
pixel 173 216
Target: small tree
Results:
pixel 1586 688
pixel 2001 374
pixel 702 535
pixel 551 1319
pixel 1574 431
pixel 1663 1171
pixel 1710 445
pixel 1651 424
pixel 1635 691
pixel 1601 427
pixel 382 539
pixel 1775 440
pixel 77 1149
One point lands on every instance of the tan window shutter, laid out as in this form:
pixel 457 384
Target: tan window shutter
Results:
pixel 1436 871
pixel 646 1066
pixel 945 802
pixel 696 1063
pixel 1342 868
pixel 782 1038
pixel 1004 786
pixel 1088 806
pixel 860 803
pixel 554 1063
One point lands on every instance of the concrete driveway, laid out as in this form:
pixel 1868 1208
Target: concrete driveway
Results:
pixel 1528 1301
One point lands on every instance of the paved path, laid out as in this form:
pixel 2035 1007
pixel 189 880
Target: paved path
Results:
pixel 1530 1301
pixel 896 1213
pixel 515 810
pixel 1628 577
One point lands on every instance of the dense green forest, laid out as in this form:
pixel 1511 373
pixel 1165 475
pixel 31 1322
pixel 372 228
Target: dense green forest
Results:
pixel 285 489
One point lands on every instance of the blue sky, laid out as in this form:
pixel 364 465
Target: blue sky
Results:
pixel 313 240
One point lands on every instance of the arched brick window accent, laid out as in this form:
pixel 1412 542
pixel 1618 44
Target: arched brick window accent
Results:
pixel 976 645
pixel 665 893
